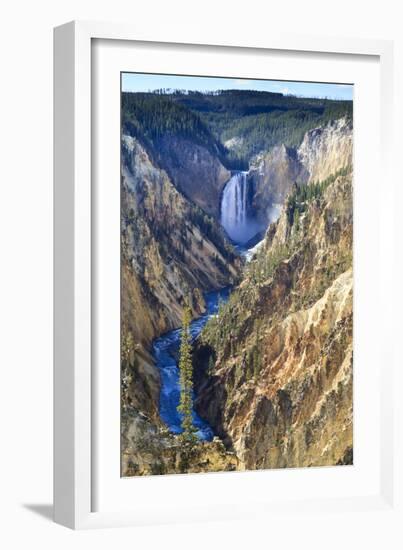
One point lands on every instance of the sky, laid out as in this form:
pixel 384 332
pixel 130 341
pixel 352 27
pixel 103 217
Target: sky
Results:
pixel 137 82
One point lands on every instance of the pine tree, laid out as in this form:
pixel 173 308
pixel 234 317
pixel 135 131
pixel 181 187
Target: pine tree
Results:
pixel 186 380
pixel 296 219
pixel 211 366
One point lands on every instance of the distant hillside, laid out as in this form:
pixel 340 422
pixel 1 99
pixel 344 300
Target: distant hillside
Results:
pixel 233 125
pixel 150 117
pixel 249 122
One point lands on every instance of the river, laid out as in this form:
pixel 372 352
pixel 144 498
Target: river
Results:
pixel 240 228
pixel 166 351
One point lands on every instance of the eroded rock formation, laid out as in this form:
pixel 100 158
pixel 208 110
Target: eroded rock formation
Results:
pixel 323 152
pixel 196 172
pixel 274 370
pixel 170 250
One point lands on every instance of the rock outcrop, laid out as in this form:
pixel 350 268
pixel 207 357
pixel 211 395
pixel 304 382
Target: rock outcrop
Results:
pixel 195 171
pixel 150 450
pixel 326 150
pixel 273 176
pixel 323 151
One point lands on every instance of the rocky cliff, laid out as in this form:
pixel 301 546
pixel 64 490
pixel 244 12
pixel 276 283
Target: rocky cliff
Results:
pixel 273 174
pixel 170 250
pixel 195 171
pixel 151 450
pixel 323 152
pixel 326 150
pixel 274 369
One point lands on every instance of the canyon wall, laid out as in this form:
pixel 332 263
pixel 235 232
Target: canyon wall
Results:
pixel 195 171
pixel 273 174
pixel 322 152
pixel 170 251
pixel 274 370
pixel 326 150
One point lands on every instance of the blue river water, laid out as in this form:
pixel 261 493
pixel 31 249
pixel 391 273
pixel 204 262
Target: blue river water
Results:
pixel 166 351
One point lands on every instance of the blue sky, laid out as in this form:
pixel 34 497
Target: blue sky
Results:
pixel 136 82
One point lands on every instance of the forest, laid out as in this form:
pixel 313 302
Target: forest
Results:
pixel 259 120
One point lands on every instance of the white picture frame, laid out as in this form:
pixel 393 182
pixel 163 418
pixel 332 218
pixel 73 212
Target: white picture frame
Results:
pixel 76 469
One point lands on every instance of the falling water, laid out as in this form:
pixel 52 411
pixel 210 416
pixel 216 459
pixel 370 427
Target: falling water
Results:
pixel 234 210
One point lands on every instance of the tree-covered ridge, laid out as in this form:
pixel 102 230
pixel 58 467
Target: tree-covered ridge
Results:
pixel 150 117
pixel 257 120
pixel 301 196
pixel 264 131
pixel 249 102
pixel 261 119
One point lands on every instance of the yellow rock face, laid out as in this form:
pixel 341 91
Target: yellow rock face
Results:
pixel 166 258
pixel 325 150
pixel 280 394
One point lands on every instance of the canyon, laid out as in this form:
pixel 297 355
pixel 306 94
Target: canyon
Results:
pixel 273 360
pixel 280 391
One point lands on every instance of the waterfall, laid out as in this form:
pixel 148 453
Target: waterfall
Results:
pixel 240 227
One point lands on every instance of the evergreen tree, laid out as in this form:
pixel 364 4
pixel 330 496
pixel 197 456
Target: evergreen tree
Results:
pixel 186 379
pixel 211 366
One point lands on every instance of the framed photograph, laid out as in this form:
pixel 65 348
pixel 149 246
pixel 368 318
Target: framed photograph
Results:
pixel 222 216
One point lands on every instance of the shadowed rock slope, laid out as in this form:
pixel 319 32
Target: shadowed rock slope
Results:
pixel 195 171
pixel 323 152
